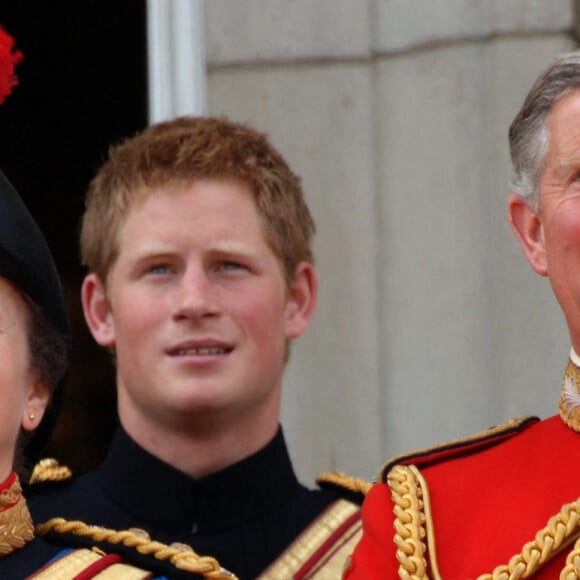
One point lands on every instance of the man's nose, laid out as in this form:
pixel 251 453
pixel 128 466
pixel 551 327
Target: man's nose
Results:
pixel 196 297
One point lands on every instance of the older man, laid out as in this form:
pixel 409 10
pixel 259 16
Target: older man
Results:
pixel 504 503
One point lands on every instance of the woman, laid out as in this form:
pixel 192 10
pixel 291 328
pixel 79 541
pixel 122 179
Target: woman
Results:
pixel 33 360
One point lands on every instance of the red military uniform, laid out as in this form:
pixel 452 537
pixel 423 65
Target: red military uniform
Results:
pixel 507 500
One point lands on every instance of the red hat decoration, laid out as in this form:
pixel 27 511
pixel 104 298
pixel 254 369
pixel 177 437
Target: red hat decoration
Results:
pixel 9 58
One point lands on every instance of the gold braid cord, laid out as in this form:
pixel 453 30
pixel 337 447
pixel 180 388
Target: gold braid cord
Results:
pixel 182 557
pixel 560 532
pixel 414 535
pixel 49 469
pixel 572 569
pixel 347 482
pixel 16 528
pixel 410 532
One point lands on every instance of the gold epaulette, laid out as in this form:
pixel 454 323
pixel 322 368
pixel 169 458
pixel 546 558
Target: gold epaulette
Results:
pixel 321 550
pixel 49 469
pixel 352 488
pixel 458 447
pixel 73 564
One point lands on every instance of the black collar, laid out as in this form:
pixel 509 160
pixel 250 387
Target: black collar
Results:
pixel 157 492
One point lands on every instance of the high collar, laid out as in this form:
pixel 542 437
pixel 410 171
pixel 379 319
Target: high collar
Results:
pixel 159 493
pixel 569 404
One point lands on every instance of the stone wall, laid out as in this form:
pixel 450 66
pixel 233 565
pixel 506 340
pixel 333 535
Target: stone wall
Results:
pixel 430 323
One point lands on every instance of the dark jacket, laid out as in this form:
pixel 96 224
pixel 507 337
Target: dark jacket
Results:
pixel 27 560
pixel 244 515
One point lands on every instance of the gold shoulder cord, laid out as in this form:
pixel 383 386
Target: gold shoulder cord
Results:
pixel 414 536
pixel 182 557
pixel 338 479
pixel 561 530
pixel 572 569
pixel 415 541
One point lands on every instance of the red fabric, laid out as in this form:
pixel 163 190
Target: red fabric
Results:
pixel 8 482
pixel 6 485
pixel 9 58
pixel 374 556
pixel 485 506
pixel 98 566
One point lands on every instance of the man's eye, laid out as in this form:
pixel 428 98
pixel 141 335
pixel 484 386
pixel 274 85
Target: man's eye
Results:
pixel 158 269
pixel 230 266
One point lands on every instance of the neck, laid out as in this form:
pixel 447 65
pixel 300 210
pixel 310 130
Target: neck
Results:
pixel 201 446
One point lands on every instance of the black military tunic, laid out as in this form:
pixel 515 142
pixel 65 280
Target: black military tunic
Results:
pixel 27 560
pixel 244 515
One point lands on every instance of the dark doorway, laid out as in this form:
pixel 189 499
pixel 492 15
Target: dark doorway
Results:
pixel 82 85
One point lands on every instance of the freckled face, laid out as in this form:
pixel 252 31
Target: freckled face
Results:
pixel 198 306
pixel 560 208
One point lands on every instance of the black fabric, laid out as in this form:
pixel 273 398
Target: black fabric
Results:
pixel 21 563
pixel 244 515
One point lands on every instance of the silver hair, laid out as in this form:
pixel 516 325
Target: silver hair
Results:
pixel 528 133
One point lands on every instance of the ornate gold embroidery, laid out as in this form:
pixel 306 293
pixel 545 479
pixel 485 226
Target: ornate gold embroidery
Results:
pixel 16 528
pixel 570 397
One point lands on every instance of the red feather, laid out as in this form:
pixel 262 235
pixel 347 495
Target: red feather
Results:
pixel 9 58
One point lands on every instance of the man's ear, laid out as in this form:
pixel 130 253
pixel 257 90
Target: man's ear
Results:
pixel 301 300
pixel 528 229
pixel 97 310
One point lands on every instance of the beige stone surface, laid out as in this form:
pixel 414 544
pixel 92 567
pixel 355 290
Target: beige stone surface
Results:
pixel 249 31
pixel 402 24
pixel 457 314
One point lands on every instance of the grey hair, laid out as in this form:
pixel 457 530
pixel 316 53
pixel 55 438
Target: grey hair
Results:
pixel 528 133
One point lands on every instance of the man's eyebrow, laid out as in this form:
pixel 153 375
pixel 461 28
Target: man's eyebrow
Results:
pixel 238 248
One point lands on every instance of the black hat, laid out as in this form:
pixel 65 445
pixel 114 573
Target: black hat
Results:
pixel 26 261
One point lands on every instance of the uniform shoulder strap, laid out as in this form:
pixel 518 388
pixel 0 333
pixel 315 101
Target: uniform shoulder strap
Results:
pixel 459 447
pixel 321 550
pixel 86 564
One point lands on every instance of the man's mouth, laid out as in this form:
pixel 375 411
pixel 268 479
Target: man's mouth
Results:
pixel 201 351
